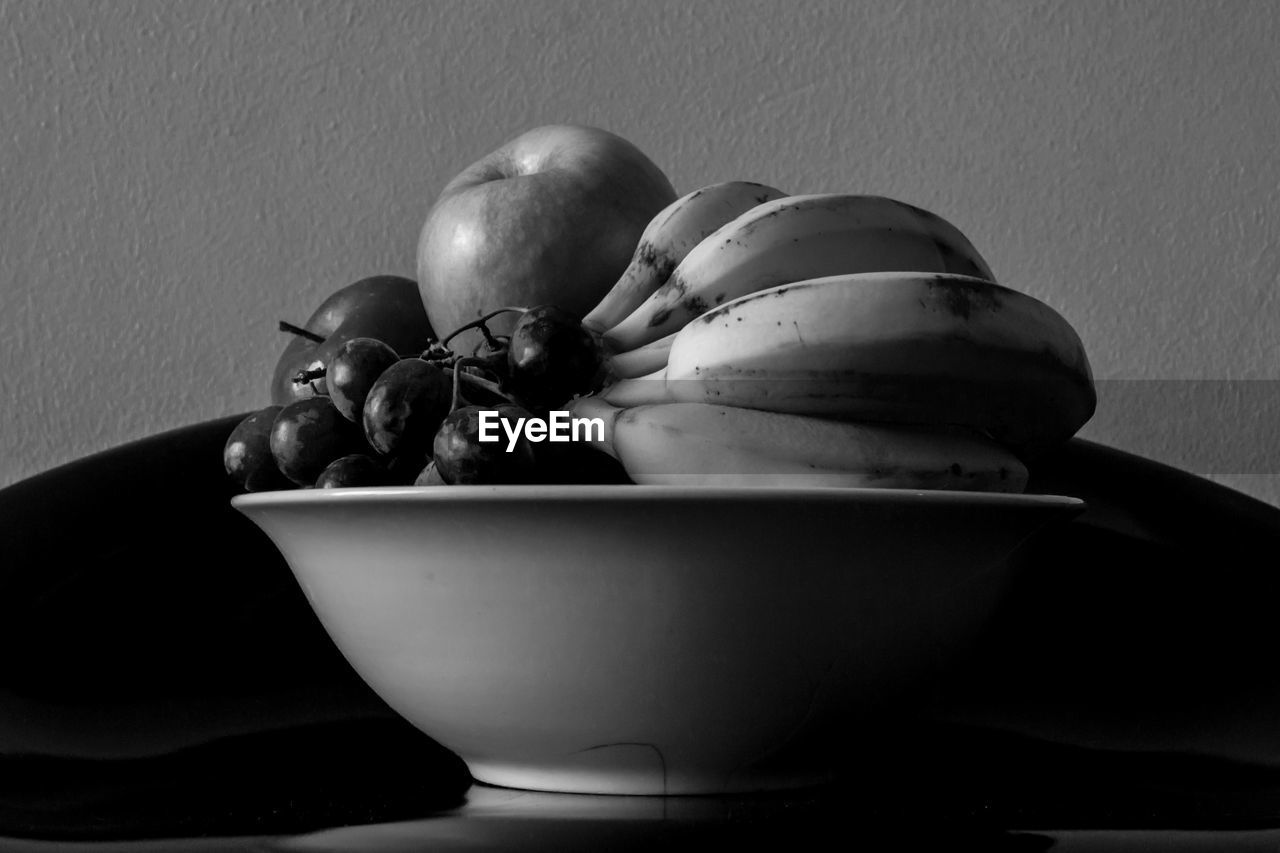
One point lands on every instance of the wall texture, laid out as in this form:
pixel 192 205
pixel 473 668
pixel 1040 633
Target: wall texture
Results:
pixel 179 175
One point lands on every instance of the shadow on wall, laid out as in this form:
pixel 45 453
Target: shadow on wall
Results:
pixel 1222 429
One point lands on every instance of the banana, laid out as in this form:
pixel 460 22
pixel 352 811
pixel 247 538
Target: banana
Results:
pixel 792 239
pixel 646 390
pixel 897 347
pixel 676 229
pixel 640 361
pixel 697 444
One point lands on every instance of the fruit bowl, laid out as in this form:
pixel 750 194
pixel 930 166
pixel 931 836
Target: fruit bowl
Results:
pixel 647 639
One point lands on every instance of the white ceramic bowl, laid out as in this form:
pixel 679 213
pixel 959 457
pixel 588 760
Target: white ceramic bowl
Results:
pixel 647 640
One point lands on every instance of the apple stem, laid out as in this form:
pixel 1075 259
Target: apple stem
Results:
pixel 301 332
pixel 480 324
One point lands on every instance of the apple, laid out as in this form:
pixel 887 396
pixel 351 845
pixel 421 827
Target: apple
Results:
pixel 551 217
pixel 386 307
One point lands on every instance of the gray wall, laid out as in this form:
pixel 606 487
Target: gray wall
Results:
pixel 179 175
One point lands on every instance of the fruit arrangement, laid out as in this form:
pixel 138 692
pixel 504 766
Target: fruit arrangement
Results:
pixel 372 416
pixel 733 336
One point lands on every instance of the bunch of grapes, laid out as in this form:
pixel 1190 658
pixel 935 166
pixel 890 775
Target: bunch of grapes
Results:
pixel 387 418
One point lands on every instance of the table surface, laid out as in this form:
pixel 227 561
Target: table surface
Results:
pixel 370 782
pixel 166 686
pixel 498 819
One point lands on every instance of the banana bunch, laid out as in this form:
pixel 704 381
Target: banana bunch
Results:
pixel 697 444
pixel 841 340
pixel 668 238
pixel 794 238
pixel 893 347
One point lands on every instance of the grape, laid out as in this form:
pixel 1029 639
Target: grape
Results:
pixel 403 470
pixel 247 453
pixel 430 476
pixel 552 357
pixel 353 370
pixel 405 407
pixel 354 469
pixel 307 435
pixel 577 463
pixel 461 458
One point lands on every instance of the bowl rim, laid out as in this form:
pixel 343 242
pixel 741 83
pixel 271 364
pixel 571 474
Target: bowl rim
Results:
pixel 622 493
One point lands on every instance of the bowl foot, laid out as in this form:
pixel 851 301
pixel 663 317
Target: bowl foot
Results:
pixel 637 770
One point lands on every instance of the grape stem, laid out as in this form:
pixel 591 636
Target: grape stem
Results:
pixel 459 374
pixel 436 351
pixel 491 387
pixel 497 344
pixel 457 382
pixel 301 332
pixel 302 377
pixel 480 324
